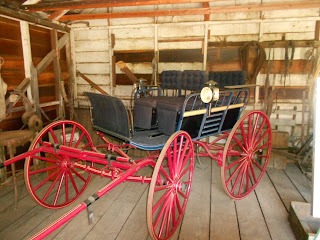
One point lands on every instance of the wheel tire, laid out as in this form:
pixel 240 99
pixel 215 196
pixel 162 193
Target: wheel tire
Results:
pixel 50 176
pixel 246 154
pixel 170 186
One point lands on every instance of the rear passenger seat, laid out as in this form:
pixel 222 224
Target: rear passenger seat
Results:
pixel 145 108
pixel 168 110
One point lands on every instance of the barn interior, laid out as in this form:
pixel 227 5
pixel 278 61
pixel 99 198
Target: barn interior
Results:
pixel 55 54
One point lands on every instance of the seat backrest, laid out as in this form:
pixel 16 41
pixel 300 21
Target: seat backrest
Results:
pixel 171 79
pixel 109 115
pixel 194 79
pixel 228 78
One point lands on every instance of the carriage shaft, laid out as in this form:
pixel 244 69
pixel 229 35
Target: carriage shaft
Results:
pixel 102 173
pixel 80 207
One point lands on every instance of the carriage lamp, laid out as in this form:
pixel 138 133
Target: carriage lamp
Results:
pixel 141 84
pixel 210 92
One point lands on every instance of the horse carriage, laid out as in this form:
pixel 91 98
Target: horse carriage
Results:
pixel 172 127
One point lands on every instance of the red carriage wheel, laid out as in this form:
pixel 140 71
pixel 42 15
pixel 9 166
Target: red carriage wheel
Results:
pixel 246 154
pixel 170 186
pixel 53 180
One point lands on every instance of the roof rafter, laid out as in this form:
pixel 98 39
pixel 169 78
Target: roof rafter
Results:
pixel 104 3
pixel 196 11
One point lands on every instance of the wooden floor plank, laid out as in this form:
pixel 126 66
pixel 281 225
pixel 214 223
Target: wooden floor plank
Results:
pixel 40 223
pixel 114 218
pixel 251 221
pixel 196 221
pixel 136 225
pixel 299 180
pixel 285 188
pixel 274 211
pixel 224 223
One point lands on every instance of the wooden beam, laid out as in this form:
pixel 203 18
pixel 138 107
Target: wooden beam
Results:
pixel 91 83
pixel 27 61
pixel 57 70
pixel 196 11
pixel 45 62
pixel 57 14
pixel 21 15
pixel 267 44
pixel 54 6
pixel 206 16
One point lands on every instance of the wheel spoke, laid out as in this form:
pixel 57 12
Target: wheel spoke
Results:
pixel 261 147
pixel 79 140
pixel 260 129
pixel 169 159
pixel 253 174
pixel 239 144
pixel 242 179
pixel 46 180
pixel 177 170
pixel 51 187
pixel 248 177
pixel 182 194
pixel 64 134
pixel 163 220
pixel 260 139
pixel 255 163
pixel 45 159
pixel 169 216
pixel 234 163
pixel 237 179
pixel 178 204
pixel 157 205
pixel 244 135
pixel 183 158
pixel 72 135
pixel 73 182
pixel 255 129
pixel 235 172
pixel 185 162
pixel 163 208
pixel 87 145
pixel 43 170
pixel 165 174
pixel 53 136
pixel 249 130
pixel 174 160
pixel 66 186
pixel 156 189
pixel 79 176
pixel 59 189
pixel 184 172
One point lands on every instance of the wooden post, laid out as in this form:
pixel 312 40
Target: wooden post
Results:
pixel 316 153
pixel 27 57
pixel 57 70
pixel 71 79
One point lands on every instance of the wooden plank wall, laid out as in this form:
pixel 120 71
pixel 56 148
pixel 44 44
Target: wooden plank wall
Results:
pixel 180 42
pixel 12 71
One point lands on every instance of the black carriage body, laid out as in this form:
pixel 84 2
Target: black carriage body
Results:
pixel 190 114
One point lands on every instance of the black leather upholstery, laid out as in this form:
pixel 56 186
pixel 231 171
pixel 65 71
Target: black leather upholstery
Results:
pixel 194 79
pixel 171 79
pixel 109 114
pixel 230 78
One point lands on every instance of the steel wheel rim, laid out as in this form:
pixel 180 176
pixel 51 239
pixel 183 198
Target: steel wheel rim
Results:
pixel 166 192
pixel 241 175
pixel 47 186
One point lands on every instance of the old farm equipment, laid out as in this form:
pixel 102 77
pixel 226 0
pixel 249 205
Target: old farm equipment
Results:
pixel 62 157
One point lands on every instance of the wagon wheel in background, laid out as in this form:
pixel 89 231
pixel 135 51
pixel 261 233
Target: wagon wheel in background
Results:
pixel 170 186
pixel 53 180
pixel 246 154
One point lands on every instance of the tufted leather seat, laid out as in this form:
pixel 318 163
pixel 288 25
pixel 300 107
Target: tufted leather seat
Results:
pixel 230 78
pixel 168 110
pixel 145 108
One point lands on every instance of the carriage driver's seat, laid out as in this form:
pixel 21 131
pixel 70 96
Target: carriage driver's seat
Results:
pixel 109 115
